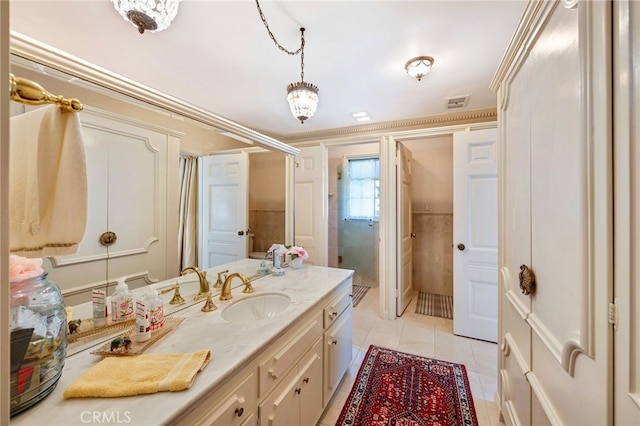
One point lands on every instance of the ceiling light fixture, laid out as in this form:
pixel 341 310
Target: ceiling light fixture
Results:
pixel 419 67
pixel 361 116
pixel 152 15
pixel 302 96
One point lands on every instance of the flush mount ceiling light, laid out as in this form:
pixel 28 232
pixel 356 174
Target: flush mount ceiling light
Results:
pixel 419 67
pixel 302 96
pixel 152 15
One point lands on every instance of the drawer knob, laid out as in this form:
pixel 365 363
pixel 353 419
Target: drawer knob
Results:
pixel 306 380
pixel 239 411
pixel 334 342
pixel 298 390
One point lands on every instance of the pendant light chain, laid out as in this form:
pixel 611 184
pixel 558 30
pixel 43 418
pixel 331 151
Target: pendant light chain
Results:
pixel 302 54
pixel 302 96
pixel 264 21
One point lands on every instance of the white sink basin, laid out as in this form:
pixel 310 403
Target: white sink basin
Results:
pixel 257 307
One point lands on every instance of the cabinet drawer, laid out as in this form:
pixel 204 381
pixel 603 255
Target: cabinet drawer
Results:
pixel 288 352
pixel 237 406
pixel 337 306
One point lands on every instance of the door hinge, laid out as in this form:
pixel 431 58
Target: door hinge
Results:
pixel 613 314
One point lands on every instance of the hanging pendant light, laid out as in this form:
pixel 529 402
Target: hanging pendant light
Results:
pixel 152 15
pixel 302 96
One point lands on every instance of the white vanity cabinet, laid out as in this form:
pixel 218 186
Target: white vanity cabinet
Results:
pixel 293 378
pixel 337 341
pixel 276 371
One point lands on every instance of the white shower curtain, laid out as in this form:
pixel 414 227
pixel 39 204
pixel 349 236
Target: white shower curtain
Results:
pixel 188 226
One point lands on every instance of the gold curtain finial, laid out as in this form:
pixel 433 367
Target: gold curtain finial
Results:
pixel 29 92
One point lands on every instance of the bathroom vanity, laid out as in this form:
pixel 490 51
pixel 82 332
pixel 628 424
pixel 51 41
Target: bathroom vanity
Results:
pixel 276 370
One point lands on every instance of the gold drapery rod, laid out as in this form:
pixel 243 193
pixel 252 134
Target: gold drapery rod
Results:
pixel 29 92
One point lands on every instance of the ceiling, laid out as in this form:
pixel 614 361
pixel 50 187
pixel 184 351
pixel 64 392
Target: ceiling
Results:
pixel 217 55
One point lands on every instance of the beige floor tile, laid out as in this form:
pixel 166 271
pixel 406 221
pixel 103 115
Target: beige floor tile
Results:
pixel 426 336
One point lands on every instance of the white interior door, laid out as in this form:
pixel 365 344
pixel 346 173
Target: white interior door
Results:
pixel 223 205
pixel 626 220
pixel 404 290
pixel 475 235
pixel 311 210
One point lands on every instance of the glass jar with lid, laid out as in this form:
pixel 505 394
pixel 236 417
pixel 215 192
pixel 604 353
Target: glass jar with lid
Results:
pixel 38 326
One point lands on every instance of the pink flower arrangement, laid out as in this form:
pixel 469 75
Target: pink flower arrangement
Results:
pixel 296 252
pixel 22 268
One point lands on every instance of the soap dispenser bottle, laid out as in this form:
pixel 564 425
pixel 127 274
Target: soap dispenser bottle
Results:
pixel 122 307
pixel 155 305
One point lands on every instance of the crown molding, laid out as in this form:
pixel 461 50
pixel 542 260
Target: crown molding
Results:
pixel 376 130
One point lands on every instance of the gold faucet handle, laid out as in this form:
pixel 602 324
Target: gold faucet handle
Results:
pixel 218 283
pixel 248 288
pixel 177 298
pixel 209 306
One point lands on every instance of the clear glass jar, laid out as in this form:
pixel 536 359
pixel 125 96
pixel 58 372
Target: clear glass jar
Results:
pixel 38 327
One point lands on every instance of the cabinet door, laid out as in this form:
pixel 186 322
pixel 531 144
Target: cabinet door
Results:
pixel 556 216
pixel 282 406
pixel 337 352
pixel 129 184
pixel 310 385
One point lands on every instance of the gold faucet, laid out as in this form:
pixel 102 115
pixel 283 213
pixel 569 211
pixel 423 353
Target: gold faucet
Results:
pixel 204 284
pixel 225 293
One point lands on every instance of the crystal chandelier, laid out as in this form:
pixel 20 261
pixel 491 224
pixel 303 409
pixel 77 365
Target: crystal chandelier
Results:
pixel 419 67
pixel 152 15
pixel 302 96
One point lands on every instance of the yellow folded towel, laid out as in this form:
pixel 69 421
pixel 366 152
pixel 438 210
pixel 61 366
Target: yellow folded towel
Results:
pixel 138 375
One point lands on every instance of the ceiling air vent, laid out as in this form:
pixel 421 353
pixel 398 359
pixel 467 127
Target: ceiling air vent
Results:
pixel 457 101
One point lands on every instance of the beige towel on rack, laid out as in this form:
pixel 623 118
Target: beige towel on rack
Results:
pixel 48 183
pixel 139 375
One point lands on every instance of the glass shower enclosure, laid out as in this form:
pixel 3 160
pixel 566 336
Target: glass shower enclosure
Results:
pixel 358 212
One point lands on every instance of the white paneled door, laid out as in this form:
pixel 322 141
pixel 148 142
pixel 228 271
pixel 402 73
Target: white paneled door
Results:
pixel 404 245
pixel 475 235
pixel 311 209
pixel 223 208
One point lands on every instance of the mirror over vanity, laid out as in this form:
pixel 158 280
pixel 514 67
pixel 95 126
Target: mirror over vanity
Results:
pixel 134 138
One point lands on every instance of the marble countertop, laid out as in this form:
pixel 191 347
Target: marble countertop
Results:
pixel 232 345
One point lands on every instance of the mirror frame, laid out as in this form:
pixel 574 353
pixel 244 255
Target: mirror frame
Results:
pixel 33 50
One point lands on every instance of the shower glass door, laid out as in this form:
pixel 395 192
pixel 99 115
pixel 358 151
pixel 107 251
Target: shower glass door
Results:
pixel 359 209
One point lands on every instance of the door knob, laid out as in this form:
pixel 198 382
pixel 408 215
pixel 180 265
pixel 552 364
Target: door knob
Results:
pixel 527 280
pixel 461 247
pixel 241 233
pixel 413 235
pixel 108 238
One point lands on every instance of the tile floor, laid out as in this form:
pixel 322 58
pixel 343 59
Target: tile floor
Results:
pixel 426 336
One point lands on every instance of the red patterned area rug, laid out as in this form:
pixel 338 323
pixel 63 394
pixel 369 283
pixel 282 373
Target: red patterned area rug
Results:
pixel 400 389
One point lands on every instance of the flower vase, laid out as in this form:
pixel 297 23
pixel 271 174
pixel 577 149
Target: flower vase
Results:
pixel 296 263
